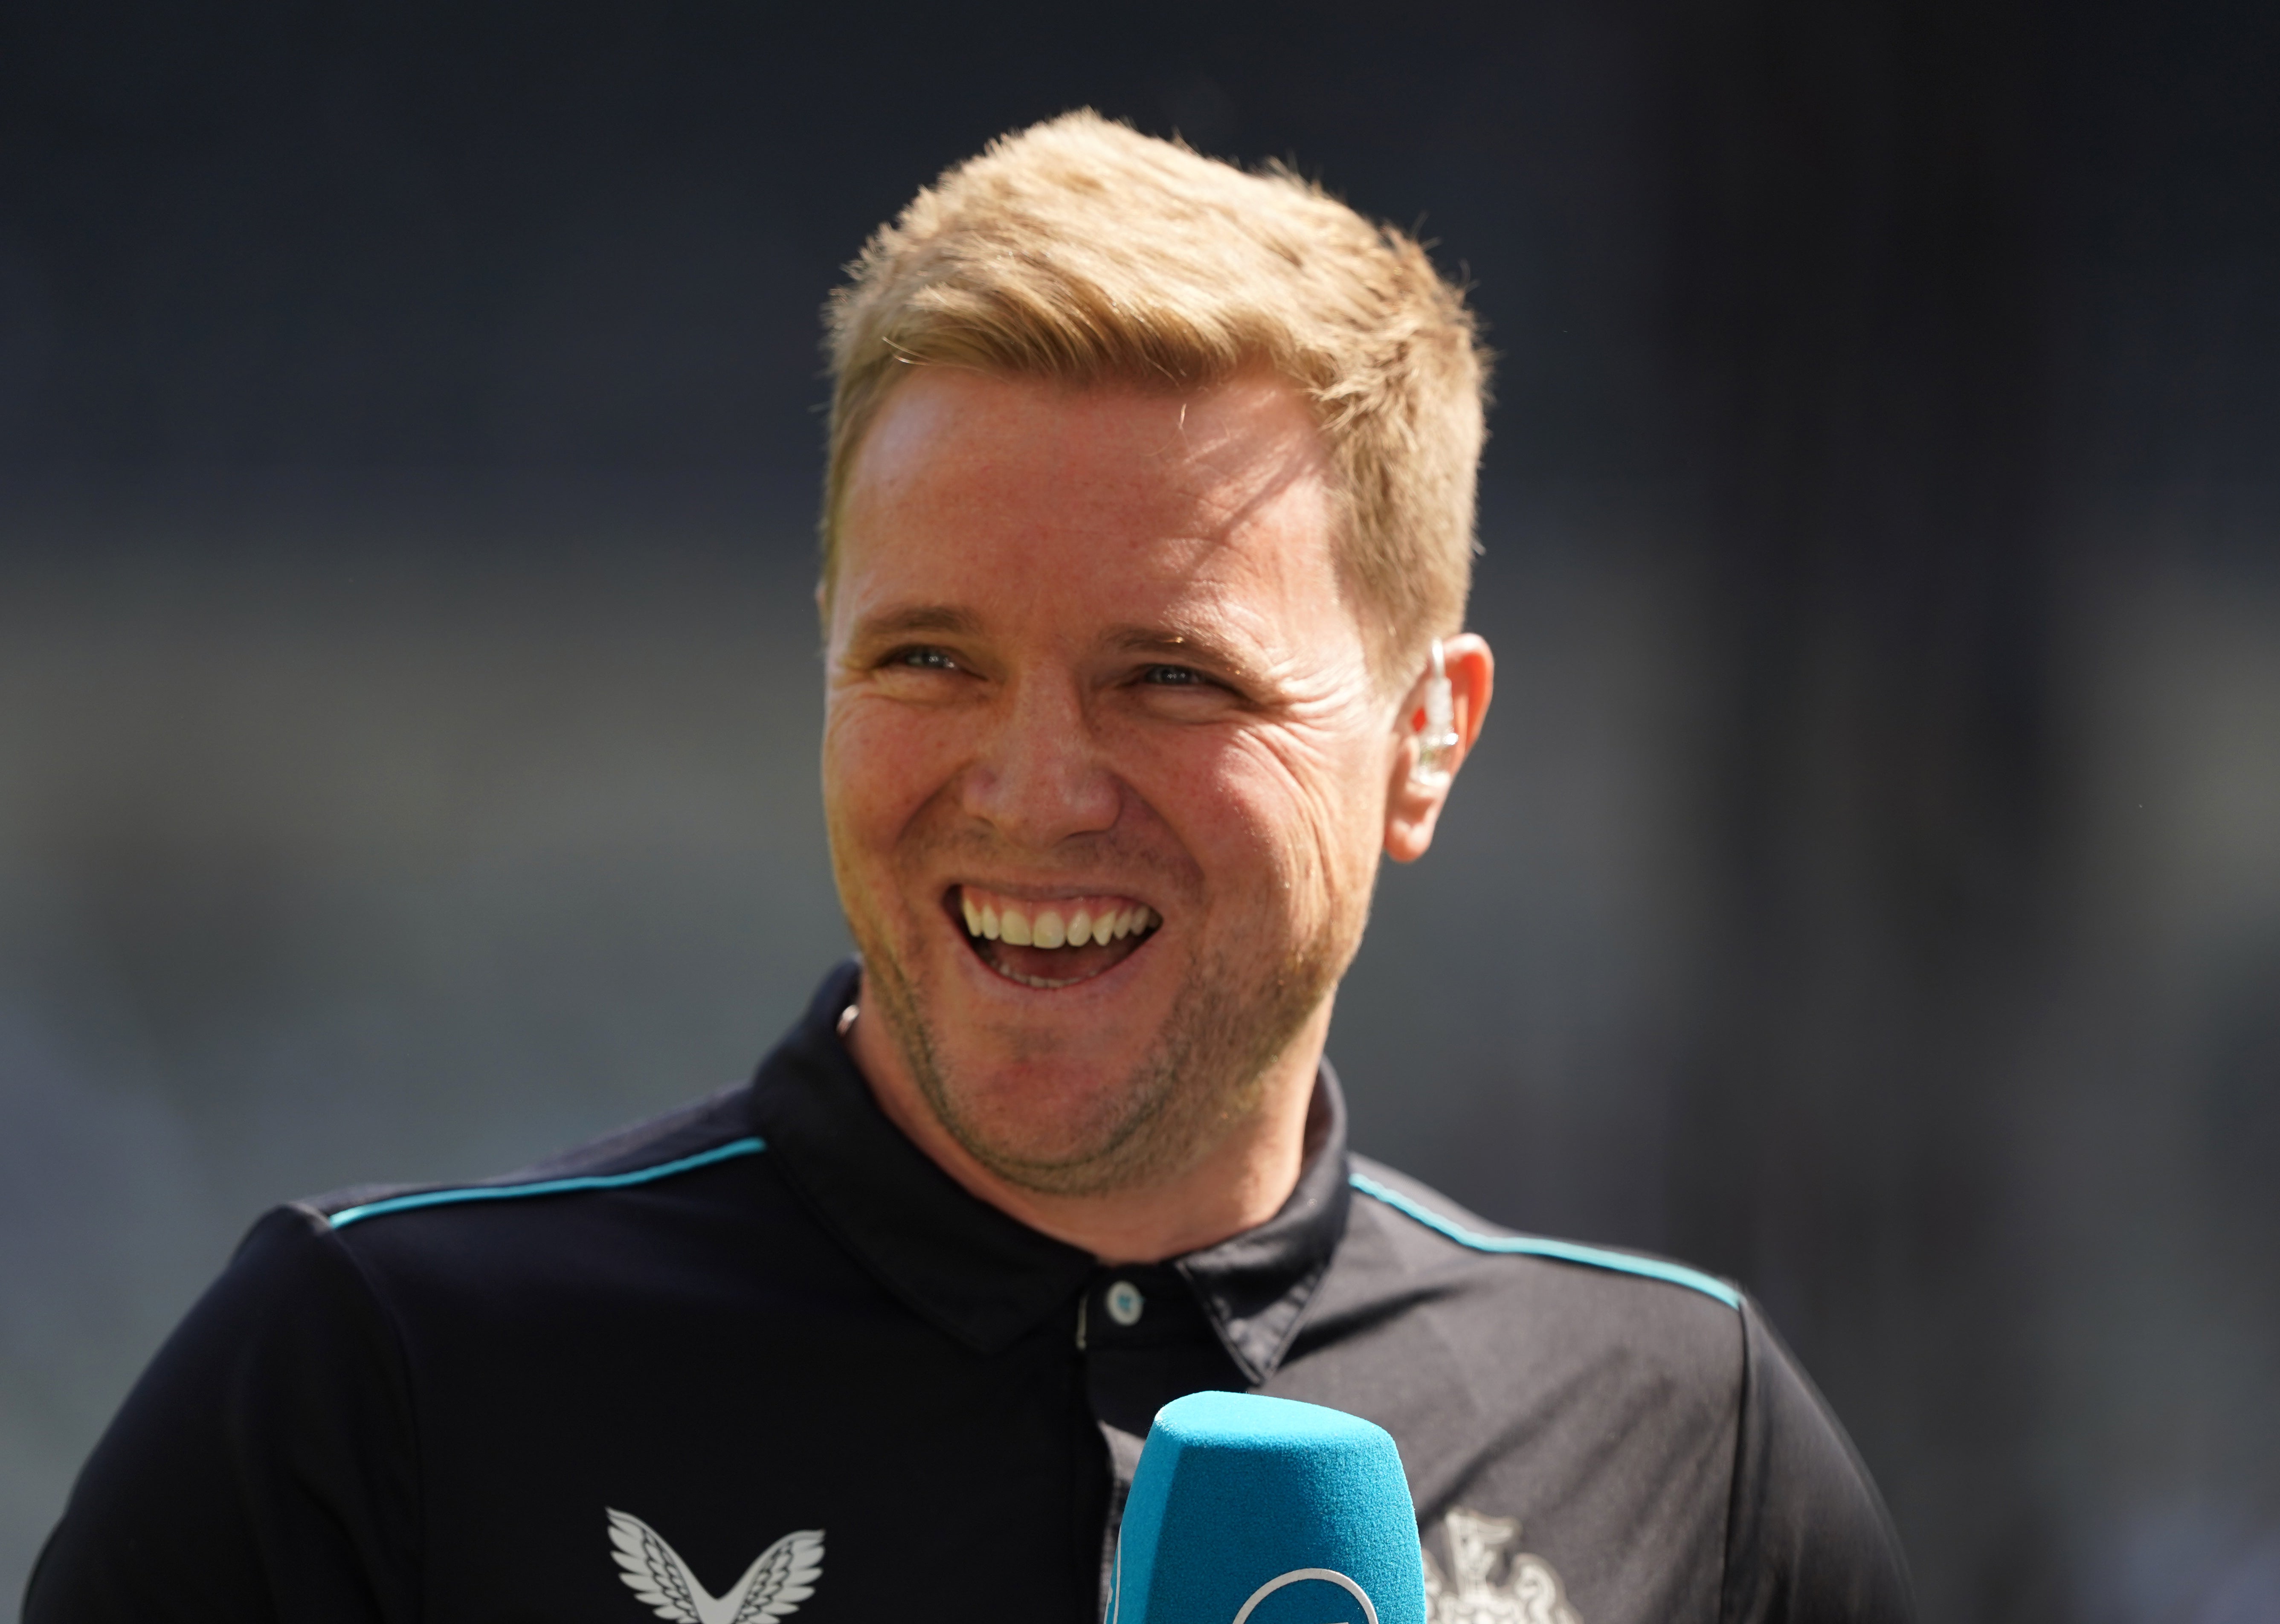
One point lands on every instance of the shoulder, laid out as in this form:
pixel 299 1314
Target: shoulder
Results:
pixel 683 1140
pixel 699 1155
pixel 601 1233
pixel 1614 1366
pixel 1408 1245
pixel 270 1457
pixel 276 1419
pixel 1584 1399
pixel 1809 1535
pixel 1450 1226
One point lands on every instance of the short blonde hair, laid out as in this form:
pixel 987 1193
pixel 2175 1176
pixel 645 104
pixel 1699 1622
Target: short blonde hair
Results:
pixel 1082 251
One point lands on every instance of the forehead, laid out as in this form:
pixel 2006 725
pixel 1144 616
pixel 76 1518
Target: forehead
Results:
pixel 990 481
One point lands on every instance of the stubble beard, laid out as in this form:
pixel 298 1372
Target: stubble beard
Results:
pixel 1203 1077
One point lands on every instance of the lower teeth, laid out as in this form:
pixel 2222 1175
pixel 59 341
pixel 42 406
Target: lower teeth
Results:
pixel 1038 981
pixel 1046 984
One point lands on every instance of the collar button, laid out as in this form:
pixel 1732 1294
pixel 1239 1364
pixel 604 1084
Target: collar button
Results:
pixel 1125 1303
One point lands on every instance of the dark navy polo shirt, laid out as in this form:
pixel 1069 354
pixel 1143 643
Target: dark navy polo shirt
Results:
pixel 761 1358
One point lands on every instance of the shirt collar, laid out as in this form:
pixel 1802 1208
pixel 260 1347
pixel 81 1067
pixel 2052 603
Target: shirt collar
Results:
pixel 983 1277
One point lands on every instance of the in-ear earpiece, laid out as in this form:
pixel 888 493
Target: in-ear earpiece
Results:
pixel 1437 729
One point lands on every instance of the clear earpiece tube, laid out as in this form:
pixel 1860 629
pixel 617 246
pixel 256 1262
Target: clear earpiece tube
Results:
pixel 1436 734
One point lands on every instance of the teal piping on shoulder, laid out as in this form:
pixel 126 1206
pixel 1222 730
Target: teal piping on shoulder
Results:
pixel 547 1187
pixel 1566 1251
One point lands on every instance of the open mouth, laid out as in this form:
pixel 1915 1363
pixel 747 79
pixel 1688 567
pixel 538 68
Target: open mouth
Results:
pixel 1053 943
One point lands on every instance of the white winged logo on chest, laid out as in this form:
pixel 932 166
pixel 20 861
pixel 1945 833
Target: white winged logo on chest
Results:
pixel 780 1578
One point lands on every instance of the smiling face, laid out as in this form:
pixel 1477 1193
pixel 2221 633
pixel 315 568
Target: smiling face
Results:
pixel 1105 765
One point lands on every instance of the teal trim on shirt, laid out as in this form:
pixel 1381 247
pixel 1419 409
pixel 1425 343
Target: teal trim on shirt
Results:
pixel 548 1187
pixel 1565 1252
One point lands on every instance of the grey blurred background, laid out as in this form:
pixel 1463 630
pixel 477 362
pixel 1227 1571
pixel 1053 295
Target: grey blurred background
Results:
pixel 1868 886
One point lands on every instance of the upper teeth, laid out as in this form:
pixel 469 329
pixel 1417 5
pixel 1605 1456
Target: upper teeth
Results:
pixel 1050 927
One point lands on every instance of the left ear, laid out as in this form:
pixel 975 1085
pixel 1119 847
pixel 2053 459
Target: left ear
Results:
pixel 1413 801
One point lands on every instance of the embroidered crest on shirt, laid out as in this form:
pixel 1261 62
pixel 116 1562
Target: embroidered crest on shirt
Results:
pixel 780 1578
pixel 1528 1593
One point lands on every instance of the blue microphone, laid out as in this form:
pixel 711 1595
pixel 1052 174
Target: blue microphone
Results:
pixel 1250 1509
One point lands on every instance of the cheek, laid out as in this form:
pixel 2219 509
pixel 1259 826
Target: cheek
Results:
pixel 1283 814
pixel 881 766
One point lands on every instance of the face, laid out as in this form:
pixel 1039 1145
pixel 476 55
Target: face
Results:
pixel 1105 765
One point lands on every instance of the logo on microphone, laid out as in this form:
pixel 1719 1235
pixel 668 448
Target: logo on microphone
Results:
pixel 1300 1575
pixel 1531 1592
pixel 780 1578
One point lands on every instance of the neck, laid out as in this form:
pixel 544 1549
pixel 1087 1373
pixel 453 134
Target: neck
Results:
pixel 1239 1183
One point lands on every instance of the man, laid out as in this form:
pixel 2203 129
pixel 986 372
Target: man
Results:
pixel 1147 533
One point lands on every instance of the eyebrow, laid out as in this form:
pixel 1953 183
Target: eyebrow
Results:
pixel 1190 642
pixel 916 619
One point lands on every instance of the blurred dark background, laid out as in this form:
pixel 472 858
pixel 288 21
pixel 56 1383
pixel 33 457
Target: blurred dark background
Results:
pixel 1869 885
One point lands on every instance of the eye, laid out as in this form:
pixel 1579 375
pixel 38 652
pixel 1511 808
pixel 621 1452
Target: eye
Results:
pixel 922 658
pixel 1184 691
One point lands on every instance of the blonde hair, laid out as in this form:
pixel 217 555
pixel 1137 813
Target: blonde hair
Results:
pixel 1082 251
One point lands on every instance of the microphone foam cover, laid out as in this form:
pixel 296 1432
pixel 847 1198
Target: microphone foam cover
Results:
pixel 1250 1509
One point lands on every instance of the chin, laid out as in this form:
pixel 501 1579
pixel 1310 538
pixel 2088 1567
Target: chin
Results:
pixel 1070 1134
pixel 1042 1106
pixel 1096 1082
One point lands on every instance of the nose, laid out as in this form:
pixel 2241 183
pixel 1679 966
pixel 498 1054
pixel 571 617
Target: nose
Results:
pixel 1039 777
